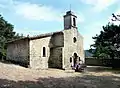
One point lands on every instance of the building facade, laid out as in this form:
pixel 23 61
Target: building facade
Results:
pixel 54 49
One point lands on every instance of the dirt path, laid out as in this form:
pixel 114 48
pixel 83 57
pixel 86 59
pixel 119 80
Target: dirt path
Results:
pixel 12 76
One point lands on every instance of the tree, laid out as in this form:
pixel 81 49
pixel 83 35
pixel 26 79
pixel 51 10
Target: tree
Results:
pixel 6 34
pixel 115 17
pixel 107 44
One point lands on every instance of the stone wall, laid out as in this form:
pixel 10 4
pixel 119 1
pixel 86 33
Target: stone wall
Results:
pixel 17 51
pixel 57 43
pixel 55 60
pixel 36 53
pixel 53 51
pixel 71 46
pixel 57 40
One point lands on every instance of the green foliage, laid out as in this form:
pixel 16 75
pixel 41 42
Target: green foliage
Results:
pixel 6 34
pixel 107 44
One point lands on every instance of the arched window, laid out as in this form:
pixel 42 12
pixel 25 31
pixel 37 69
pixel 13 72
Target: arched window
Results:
pixel 44 52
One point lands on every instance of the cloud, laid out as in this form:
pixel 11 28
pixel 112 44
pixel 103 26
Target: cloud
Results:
pixel 42 12
pixel 32 11
pixel 37 12
pixel 99 5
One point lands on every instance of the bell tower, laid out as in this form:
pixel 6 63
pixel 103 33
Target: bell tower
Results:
pixel 70 20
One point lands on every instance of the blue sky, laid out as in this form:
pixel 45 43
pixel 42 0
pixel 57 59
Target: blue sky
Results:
pixel 35 17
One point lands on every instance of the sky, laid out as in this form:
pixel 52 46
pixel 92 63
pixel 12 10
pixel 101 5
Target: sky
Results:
pixel 34 17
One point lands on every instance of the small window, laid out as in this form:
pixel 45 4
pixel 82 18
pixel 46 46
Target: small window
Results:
pixel 70 59
pixel 44 52
pixel 74 39
pixel 74 22
pixel 79 59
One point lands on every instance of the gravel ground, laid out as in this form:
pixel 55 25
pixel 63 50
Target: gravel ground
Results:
pixel 13 76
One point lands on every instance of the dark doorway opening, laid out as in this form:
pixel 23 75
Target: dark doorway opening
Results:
pixel 55 59
pixel 75 58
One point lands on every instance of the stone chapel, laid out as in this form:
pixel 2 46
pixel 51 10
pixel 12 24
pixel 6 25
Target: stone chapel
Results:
pixel 50 50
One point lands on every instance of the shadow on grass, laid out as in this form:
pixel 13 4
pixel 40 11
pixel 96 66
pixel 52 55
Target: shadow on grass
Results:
pixel 86 81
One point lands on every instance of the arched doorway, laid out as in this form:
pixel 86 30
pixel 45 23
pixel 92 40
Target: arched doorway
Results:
pixel 75 59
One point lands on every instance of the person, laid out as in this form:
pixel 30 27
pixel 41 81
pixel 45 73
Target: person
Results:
pixel 76 65
pixel 79 65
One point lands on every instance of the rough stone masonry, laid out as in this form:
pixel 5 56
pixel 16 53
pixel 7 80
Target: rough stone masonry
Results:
pixel 51 49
